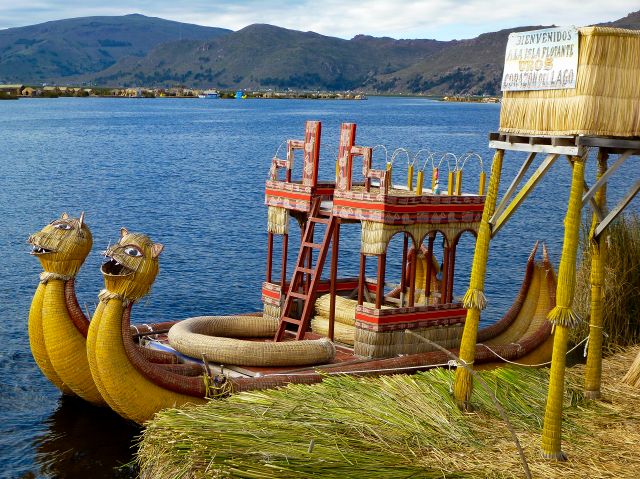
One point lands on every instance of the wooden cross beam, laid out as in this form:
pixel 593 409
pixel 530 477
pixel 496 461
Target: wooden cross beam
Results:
pixel 514 184
pixel 617 210
pixel 602 180
pixel 499 221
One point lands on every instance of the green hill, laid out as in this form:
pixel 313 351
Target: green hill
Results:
pixel 268 56
pixel 56 50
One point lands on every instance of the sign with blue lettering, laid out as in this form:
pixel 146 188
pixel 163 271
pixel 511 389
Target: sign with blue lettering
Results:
pixel 541 60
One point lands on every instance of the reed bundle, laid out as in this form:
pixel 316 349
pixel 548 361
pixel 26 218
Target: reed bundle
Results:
pixel 277 220
pixel 621 285
pixel 606 98
pixel 397 426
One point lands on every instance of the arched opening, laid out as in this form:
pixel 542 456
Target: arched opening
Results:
pixel 399 272
pixel 465 243
pixel 433 256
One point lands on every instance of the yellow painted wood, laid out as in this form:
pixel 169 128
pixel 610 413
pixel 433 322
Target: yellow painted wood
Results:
pixel 450 183
pixel 459 182
pixel 65 345
pixel 563 317
pixel 390 174
pixel 593 369
pixel 36 341
pixel 474 299
pixel 410 178
pixel 531 183
pixel 483 180
pixel 419 183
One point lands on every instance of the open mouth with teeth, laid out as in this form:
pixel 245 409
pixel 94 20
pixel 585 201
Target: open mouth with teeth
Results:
pixel 114 268
pixel 40 250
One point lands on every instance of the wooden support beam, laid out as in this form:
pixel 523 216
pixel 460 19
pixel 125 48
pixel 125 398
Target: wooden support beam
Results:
pixel 452 268
pixel 403 274
pixel 307 277
pixel 429 268
pixel 269 256
pixel 523 193
pixel 333 276
pixel 445 277
pixel 285 245
pixel 602 180
pixel 617 210
pixel 382 263
pixel 594 206
pixel 362 279
pixel 548 149
pixel 512 187
pixel 412 278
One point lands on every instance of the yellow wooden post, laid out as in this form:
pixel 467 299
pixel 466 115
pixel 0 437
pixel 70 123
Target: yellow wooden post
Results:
pixel 390 170
pixel 593 369
pixel 563 317
pixel 474 299
pixel 410 178
pixel 483 179
pixel 419 182
pixel 459 182
pixel 450 182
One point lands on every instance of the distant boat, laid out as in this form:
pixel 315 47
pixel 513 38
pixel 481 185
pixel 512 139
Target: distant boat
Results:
pixel 210 94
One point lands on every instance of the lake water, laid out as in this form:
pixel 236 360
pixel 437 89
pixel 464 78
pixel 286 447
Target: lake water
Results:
pixel 190 173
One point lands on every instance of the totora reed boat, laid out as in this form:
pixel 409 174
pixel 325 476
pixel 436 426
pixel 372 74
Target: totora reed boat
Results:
pixel 311 326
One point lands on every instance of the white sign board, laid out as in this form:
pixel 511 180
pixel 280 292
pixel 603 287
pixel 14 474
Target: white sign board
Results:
pixel 541 60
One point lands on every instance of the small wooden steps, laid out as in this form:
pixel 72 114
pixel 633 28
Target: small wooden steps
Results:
pixel 304 268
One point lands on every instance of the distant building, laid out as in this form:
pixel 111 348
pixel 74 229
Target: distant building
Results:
pixel 28 91
pixel 11 90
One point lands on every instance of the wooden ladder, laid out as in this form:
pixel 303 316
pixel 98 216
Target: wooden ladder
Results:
pixel 314 272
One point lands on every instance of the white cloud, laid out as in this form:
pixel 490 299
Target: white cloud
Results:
pixel 442 19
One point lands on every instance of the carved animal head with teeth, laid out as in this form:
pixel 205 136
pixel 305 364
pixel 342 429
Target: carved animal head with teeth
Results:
pixel 62 245
pixel 132 265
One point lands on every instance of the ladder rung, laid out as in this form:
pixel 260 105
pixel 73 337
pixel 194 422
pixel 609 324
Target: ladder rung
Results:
pixel 306 270
pixel 317 219
pixel 311 245
pixel 287 319
pixel 293 294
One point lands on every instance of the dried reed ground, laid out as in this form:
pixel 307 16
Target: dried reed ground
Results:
pixel 399 427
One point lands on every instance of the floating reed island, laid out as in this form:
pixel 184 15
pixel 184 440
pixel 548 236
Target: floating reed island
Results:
pixel 397 427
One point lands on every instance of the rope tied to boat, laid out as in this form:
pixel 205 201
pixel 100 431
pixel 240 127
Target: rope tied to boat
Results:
pixel 217 386
pixel 105 296
pixel 46 276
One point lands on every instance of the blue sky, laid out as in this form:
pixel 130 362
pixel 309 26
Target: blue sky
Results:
pixel 440 19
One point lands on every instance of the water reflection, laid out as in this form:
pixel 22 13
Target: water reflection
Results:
pixel 85 441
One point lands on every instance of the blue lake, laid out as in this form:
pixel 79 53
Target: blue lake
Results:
pixel 190 174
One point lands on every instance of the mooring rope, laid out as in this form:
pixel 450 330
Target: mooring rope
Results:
pixel 531 365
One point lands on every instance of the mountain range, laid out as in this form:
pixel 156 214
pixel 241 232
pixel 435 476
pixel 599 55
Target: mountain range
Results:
pixel 135 50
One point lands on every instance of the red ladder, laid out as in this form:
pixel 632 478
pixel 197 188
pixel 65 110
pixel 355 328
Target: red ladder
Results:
pixel 304 260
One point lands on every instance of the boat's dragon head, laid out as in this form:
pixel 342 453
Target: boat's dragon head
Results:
pixel 132 265
pixel 62 245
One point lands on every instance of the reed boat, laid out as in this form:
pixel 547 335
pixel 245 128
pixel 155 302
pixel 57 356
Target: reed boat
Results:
pixel 311 326
pixel 58 327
